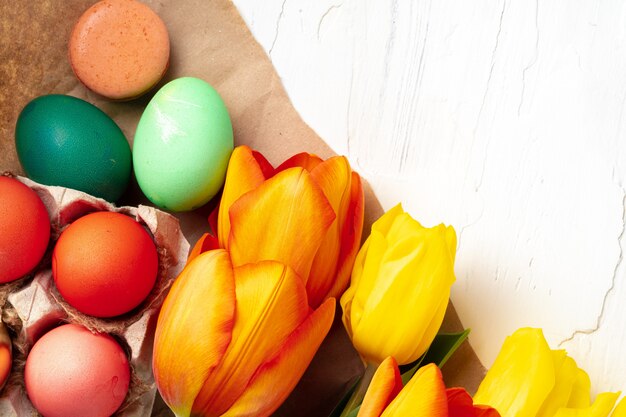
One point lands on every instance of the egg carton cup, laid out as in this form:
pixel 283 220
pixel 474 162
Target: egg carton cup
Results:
pixel 32 305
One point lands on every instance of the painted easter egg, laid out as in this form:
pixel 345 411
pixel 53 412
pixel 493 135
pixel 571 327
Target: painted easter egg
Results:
pixel 62 140
pixel 182 145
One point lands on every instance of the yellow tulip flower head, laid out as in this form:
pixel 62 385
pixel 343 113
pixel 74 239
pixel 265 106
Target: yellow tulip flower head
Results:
pixel 399 288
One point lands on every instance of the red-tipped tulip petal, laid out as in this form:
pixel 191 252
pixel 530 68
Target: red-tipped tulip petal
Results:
pixel 303 160
pixel 206 243
pixel 333 262
pixel 351 233
pixel 271 304
pixel 274 381
pixel 385 386
pixel 190 342
pixel 423 396
pixel 460 403
pixel 285 219
pixel 485 411
pixel 247 170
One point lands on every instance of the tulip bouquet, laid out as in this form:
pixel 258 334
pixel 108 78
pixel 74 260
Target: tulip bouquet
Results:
pixel 257 297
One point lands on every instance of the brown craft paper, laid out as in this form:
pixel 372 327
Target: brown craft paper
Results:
pixel 209 40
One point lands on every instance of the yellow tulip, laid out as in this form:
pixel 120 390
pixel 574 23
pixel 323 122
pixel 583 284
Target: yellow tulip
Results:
pixel 529 379
pixel 307 214
pixel 400 288
pixel 234 341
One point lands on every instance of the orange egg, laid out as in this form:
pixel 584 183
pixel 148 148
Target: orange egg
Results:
pixel 105 264
pixel 24 229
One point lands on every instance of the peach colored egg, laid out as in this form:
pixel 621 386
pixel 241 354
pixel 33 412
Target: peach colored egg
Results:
pixel 71 372
pixel 24 229
pixel 119 49
pixel 105 264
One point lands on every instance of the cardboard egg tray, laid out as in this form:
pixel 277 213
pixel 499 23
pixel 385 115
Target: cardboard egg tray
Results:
pixel 32 305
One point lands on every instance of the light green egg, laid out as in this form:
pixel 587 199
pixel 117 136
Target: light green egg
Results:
pixel 182 145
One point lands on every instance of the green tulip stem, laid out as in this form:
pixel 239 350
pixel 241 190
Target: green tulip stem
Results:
pixel 359 393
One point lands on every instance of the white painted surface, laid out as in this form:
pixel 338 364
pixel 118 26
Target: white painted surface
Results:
pixel 502 118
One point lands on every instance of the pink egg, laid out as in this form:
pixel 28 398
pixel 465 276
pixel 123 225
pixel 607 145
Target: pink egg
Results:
pixel 71 372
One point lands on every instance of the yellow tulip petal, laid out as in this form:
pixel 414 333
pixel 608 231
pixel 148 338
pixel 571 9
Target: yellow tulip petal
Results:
pixel 385 386
pixel 601 407
pixel 247 170
pixel 566 374
pixel 409 287
pixel 580 396
pixel 521 377
pixel 620 410
pixel 285 219
pixel 339 247
pixel 423 396
pixel 303 160
pixel 384 223
pixel 275 380
pixel 351 234
pixel 194 329
pixel 271 304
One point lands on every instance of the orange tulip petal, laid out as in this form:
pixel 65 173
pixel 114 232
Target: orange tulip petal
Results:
pixel 460 403
pixel 275 380
pixel 206 243
pixel 271 304
pixel 285 219
pixel 333 177
pixel 244 173
pixel 194 329
pixel 350 237
pixel 213 219
pixel 304 160
pixel 333 262
pixel 385 386
pixel 423 396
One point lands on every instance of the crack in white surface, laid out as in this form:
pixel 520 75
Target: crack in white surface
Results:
pixel 278 20
pixel 609 291
pixel 533 61
pixel 348 133
pixel 482 105
pixel 326 13
pixel 404 151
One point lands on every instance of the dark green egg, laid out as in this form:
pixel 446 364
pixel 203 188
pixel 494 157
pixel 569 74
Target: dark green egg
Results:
pixel 62 140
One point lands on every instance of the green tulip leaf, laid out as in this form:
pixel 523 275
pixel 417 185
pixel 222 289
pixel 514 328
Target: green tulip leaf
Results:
pixel 442 348
pixel 354 412
pixel 344 401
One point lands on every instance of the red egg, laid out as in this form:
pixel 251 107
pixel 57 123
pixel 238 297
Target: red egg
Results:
pixel 105 264
pixel 71 372
pixel 24 229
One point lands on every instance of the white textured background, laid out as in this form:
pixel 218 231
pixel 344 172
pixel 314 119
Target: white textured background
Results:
pixel 502 118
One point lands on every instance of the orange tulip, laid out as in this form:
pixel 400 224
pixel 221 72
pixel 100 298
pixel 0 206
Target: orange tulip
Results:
pixel 307 213
pixel 234 341
pixel 424 395
pixel 460 404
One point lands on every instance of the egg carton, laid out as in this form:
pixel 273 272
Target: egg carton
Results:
pixel 32 305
